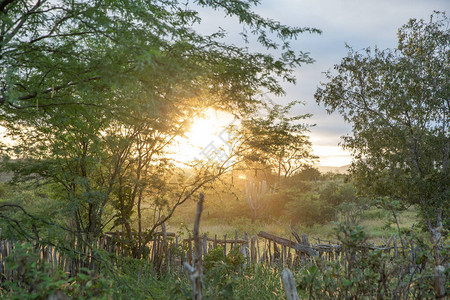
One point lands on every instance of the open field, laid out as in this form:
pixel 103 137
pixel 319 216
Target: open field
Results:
pixel 377 223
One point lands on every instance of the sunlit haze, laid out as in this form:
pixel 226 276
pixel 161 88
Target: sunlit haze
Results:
pixel 205 135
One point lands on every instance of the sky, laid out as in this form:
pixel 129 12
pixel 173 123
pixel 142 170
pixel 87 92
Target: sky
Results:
pixel 358 23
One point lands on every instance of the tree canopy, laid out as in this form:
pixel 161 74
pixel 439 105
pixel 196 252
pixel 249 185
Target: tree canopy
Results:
pixel 398 103
pixel 93 92
pixel 278 140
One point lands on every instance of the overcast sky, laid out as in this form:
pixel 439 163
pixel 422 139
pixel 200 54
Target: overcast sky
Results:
pixel 358 23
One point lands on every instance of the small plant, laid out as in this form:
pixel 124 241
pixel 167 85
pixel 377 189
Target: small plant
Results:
pixel 221 273
pixel 30 279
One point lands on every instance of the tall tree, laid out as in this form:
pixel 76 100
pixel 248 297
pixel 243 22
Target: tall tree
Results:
pixel 278 140
pixel 94 92
pixel 398 103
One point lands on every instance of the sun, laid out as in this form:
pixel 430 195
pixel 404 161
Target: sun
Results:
pixel 206 137
pixel 204 129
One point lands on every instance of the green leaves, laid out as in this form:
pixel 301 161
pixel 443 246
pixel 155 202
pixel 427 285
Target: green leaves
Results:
pixel 95 92
pixel 397 101
pixel 278 140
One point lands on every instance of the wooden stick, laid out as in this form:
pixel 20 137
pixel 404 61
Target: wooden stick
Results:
pixel 289 285
pixel 195 272
pixel 302 248
pixel 439 282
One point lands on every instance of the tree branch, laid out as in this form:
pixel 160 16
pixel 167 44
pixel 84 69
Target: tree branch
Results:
pixel 47 91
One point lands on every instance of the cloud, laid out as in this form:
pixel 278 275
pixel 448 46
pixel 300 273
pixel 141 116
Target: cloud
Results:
pixel 358 23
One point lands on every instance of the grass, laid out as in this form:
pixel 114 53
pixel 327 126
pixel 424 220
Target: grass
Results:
pixel 376 222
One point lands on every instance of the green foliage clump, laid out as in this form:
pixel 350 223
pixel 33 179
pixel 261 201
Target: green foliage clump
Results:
pixel 368 273
pixel 26 211
pixel 221 273
pixel 35 279
pixel 31 279
pixel 323 203
pixel 309 209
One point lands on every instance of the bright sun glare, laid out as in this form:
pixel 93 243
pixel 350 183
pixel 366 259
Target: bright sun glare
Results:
pixel 206 134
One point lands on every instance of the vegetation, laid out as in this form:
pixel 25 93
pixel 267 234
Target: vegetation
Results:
pixel 94 97
pixel 398 103
pixel 94 94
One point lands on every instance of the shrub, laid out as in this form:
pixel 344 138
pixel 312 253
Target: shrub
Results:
pixel 368 273
pixel 35 279
pixel 31 279
pixel 308 209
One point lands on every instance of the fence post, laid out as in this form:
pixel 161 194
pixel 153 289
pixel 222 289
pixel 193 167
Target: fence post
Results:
pixel 439 282
pixel 395 246
pixel 270 253
pixel 253 253
pixel 244 250
pixel 289 285
pixel 195 271
pixel 205 244
pixel 258 251
pixel 225 246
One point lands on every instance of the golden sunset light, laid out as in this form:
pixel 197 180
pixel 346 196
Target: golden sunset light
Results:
pixel 195 149
pixel 206 135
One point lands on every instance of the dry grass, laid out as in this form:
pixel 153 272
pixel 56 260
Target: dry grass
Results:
pixel 377 224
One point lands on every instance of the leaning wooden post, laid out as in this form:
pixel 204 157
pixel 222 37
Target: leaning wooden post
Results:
pixel 195 271
pixel 289 285
pixel 439 282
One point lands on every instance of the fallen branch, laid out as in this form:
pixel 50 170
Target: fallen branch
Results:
pixel 302 248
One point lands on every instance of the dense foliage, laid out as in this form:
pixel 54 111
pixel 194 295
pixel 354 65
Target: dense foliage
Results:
pixel 95 93
pixel 398 104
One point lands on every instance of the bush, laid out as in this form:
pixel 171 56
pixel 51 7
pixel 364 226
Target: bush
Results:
pixel 34 279
pixel 367 273
pixel 30 279
pixel 222 273
pixel 308 209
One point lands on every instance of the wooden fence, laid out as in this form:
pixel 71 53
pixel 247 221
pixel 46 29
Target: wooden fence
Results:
pixel 167 252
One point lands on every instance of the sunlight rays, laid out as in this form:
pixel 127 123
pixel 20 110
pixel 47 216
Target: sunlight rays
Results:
pixel 206 136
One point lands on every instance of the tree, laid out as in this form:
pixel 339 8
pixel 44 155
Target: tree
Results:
pixel 398 103
pixel 94 92
pixel 309 174
pixel 277 140
pixel 47 48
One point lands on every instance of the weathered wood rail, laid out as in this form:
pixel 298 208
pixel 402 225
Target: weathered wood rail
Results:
pixel 168 252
